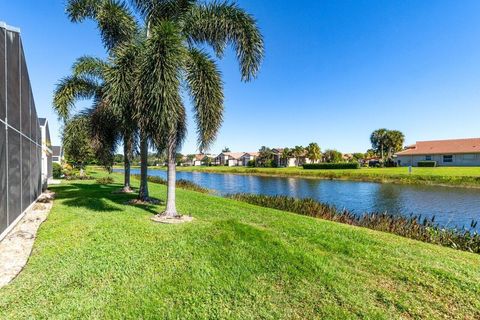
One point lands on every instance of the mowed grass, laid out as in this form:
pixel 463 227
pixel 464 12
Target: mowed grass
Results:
pixel 456 176
pixel 96 257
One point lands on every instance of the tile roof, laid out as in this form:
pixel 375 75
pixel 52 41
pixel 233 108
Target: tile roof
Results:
pixel 255 154
pixel 443 147
pixel 234 155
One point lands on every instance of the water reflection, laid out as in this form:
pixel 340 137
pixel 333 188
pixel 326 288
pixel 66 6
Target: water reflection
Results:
pixel 450 206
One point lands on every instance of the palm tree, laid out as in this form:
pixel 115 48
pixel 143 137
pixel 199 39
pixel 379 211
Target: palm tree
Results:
pixel 116 25
pixel 172 54
pixel 378 138
pixel 106 127
pixel 298 152
pixel 286 154
pixel 395 140
pixel 313 152
pixel 169 53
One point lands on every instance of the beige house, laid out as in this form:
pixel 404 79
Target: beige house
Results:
pixel 288 162
pixel 457 152
pixel 248 156
pixel 197 160
pixel 231 159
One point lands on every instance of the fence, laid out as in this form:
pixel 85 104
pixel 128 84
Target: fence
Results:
pixel 20 138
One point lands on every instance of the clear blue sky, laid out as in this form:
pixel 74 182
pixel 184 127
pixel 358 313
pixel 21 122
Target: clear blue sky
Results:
pixel 334 70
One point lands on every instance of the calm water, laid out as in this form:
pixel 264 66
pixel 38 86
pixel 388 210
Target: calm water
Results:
pixel 450 206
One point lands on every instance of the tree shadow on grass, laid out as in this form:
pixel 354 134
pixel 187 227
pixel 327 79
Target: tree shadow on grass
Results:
pixel 96 197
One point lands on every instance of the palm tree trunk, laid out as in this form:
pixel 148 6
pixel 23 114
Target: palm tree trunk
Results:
pixel 127 152
pixel 171 209
pixel 143 191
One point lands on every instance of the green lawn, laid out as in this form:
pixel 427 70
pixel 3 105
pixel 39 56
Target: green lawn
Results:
pixel 457 176
pixel 98 258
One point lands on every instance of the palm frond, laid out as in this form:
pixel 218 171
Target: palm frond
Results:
pixel 90 67
pixel 162 10
pixel 206 89
pixel 115 21
pixel 162 110
pixel 71 89
pixel 222 24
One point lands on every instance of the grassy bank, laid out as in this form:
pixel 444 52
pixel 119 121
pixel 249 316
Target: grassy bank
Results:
pixel 449 176
pixel 95 257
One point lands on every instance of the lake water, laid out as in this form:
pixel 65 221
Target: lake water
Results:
pixel 451 206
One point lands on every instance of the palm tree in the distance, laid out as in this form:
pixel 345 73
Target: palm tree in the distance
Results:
pixel 286 154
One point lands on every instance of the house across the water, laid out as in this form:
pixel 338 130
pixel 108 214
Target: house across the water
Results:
pixel 456 152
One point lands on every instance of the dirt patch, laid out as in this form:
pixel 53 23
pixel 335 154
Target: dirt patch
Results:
pixel 149 201
pixel 160 218
pixel 16 247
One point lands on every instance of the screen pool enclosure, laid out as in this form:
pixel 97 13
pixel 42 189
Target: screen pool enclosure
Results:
pixel 20 136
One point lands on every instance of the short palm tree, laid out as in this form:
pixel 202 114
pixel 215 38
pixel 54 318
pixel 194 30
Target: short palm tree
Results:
pixel 107 126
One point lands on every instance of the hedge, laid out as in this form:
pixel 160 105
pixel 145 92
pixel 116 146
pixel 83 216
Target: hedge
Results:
pixel 427 163
pixel 340 165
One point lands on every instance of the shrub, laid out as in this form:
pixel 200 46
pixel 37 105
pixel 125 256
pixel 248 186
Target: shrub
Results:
pixel 338 165
pixel 251 163
pixel 57 170
pixel 413 227
pixel 105 180
pixel 78 177
pixel 427 163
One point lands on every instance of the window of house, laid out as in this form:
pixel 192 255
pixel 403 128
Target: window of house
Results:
pixel 468 157
pixel 447 158
pixel 428 158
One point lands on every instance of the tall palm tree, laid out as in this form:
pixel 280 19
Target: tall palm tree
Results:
pixel 172 55
pixel 169 54
pixel 117 25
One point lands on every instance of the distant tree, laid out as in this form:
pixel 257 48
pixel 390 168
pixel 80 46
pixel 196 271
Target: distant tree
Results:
pixel 77 142
pixel 387 142
pixel 332 156
pixel 313 152
pixel 379 138
pixel 358 156
pixel 265 156
pixel 395 142
pixel 226 149
pixel 179 157
pixel 118 158
pixel 298 152
pixel 370 153
pixel 286 154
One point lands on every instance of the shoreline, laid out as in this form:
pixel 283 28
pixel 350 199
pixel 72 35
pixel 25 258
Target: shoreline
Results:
pixel 403 179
